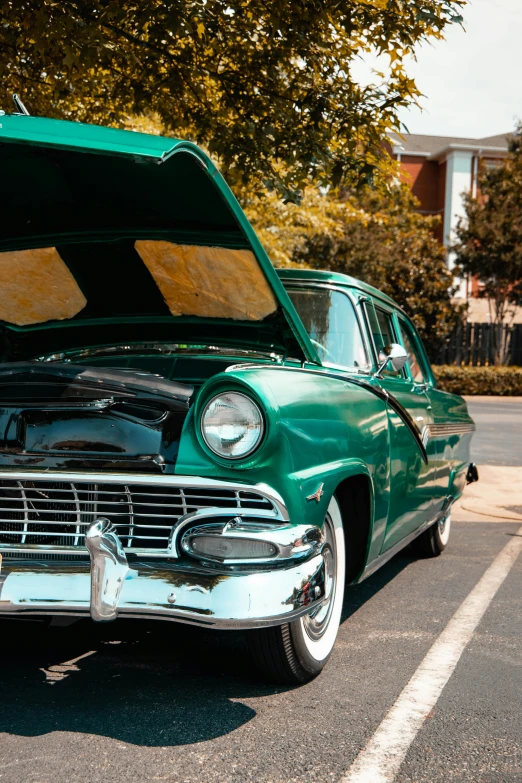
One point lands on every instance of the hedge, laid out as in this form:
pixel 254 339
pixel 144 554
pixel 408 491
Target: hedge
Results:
pixel 502 381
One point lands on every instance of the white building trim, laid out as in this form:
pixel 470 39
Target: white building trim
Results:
pixel 459 177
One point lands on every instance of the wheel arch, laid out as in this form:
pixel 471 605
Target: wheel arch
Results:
pixel 355 498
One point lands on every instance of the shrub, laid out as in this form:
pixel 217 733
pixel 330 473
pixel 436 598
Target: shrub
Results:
pixel 502 381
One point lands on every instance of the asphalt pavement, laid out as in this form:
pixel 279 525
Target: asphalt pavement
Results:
pixel 498 439
pixel 141 702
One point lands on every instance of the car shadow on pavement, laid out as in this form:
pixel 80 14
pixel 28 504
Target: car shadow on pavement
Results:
pixel 144 683
pixel 138 682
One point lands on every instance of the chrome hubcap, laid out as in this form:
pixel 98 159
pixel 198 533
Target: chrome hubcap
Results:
pixel 316 623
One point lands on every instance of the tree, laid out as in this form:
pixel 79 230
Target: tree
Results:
pixel 376 237
pixel 265 85
pixel 489 242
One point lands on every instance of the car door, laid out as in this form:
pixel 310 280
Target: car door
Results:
pixel 450 434
pixel 421 376
pixel 413 471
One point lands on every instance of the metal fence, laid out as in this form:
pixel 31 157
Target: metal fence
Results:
pixel 472 344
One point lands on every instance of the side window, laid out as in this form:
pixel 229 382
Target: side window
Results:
pixel 383 332
pixel 329 318
pixel 415 362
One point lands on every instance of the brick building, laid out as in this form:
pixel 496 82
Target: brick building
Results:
pixel 439 170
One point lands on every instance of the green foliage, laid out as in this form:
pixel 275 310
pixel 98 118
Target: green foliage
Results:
pixel 490 238
pixel 287 229
pixel 376 237
pixel 267 88
pixel 502 381
pixel 265 85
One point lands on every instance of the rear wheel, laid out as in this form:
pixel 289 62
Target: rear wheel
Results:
pixel 296 652
pixel 434 540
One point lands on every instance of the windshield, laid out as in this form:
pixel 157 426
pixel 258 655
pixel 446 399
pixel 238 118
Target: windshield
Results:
pixel 330 320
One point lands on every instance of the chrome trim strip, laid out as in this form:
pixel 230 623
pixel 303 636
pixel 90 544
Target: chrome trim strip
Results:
pixel 433 430
pixel 457 428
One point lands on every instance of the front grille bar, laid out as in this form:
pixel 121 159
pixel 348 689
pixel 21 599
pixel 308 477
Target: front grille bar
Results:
pixel 51 511
pixel 26 512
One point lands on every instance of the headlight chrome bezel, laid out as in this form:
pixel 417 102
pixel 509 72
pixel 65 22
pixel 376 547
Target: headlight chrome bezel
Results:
pixel 262 428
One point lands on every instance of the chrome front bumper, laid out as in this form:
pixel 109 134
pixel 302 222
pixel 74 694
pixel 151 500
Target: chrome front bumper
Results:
pixel 110 586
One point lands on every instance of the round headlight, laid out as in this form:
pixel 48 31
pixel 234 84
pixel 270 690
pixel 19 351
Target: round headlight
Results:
pixel 232 425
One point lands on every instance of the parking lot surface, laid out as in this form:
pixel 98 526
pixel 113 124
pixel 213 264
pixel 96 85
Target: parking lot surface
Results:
pixel 140 702
pixel 498 439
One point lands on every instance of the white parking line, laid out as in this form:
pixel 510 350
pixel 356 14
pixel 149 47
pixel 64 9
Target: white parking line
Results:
pixel 382 757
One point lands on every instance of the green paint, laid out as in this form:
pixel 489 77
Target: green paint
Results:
pixel 321 428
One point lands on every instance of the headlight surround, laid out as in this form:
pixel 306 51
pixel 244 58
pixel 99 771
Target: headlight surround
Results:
pixel 232 425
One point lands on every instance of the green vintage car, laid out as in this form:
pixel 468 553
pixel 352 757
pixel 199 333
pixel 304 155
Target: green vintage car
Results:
pixel 188 434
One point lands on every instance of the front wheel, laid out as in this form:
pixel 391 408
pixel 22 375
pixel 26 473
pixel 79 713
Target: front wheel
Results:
pixel 297 652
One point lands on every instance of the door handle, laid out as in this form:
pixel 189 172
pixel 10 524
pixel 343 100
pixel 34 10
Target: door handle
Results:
pixel 420 388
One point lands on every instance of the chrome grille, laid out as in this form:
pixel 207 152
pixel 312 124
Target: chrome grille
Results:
pixel 54 514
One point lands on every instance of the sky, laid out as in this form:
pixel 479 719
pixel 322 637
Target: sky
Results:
pixel 472 81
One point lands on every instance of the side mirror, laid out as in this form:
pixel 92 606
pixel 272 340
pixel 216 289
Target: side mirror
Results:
pixel 393 354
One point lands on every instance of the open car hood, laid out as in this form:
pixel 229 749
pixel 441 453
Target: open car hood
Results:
pixel 110 236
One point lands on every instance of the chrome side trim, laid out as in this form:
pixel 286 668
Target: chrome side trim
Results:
pixel 457 428
pixel 432 430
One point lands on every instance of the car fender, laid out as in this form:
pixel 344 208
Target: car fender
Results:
pixel 320 430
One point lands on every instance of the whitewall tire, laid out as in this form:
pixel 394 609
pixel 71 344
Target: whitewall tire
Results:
pixel 434 540
pixel 297 652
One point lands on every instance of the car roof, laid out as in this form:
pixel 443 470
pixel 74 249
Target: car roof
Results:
pixel 324 276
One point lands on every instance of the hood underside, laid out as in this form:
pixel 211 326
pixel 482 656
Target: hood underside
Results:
pixel 109 234
pixel 81 294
